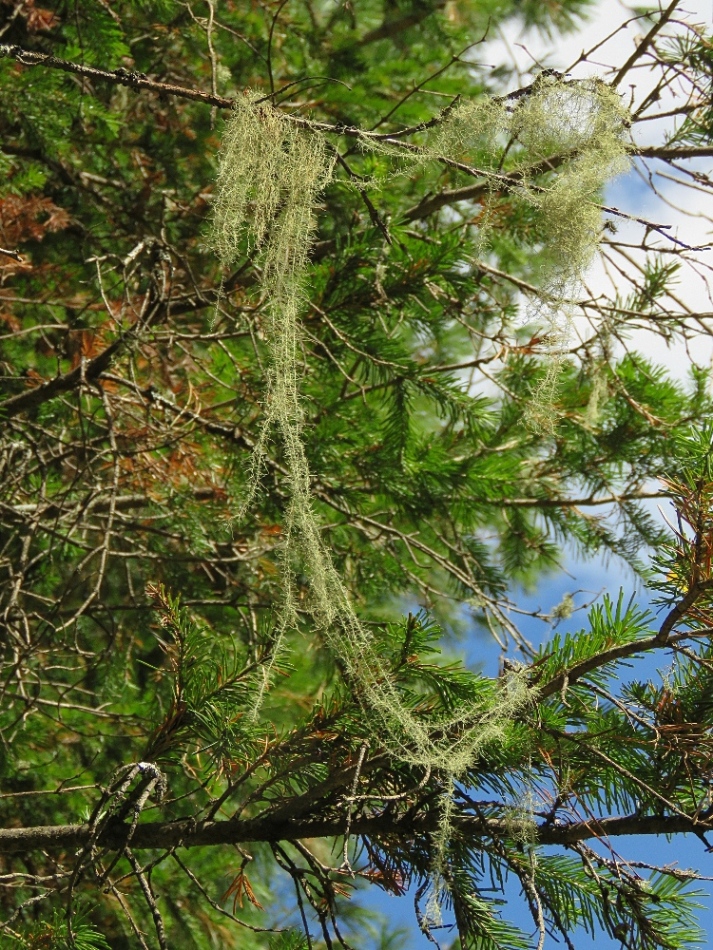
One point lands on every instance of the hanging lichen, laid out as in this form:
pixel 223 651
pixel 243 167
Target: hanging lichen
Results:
pixel 271 173
pixel 572 132
pixel 582 126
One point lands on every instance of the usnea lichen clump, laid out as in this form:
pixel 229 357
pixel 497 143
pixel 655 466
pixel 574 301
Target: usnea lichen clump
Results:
pixel 554 148
pixel 271 173
pixel 584 123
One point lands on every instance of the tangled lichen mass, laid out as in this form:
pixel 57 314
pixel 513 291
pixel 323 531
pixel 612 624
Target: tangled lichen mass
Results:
pixel 271 173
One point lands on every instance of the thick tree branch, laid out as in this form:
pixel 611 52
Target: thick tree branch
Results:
pixel 87 371
pixel 679 610
pixel 487 185
pixel 672 152
pixel 480 189
pixel 564 502
pixel 191 834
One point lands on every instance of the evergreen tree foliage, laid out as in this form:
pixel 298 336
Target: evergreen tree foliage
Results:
pixel 294 374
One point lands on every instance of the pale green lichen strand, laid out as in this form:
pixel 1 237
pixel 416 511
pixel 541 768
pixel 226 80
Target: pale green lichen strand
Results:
pixel 578 128
pixel 271 173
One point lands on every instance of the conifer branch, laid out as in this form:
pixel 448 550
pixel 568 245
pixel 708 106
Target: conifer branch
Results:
pixel 191 834
pixel 622 652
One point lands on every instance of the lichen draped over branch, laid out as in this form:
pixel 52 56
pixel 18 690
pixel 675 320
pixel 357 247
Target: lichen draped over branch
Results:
pixel 270 176
pixel 577 130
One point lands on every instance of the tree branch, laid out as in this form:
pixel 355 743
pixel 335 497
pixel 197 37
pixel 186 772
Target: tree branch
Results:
pixel 88 371
pixel 430 204
pixel 655 642
pixel 94 504
pixel 396 26
pixel 118 77
pixel 190 834
pixel 646 41
pixel 670 153
pixel 564 502
pixel 679 610
pixel 450 196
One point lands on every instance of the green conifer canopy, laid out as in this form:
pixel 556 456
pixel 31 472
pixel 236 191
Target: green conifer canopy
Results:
pixel 317 347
